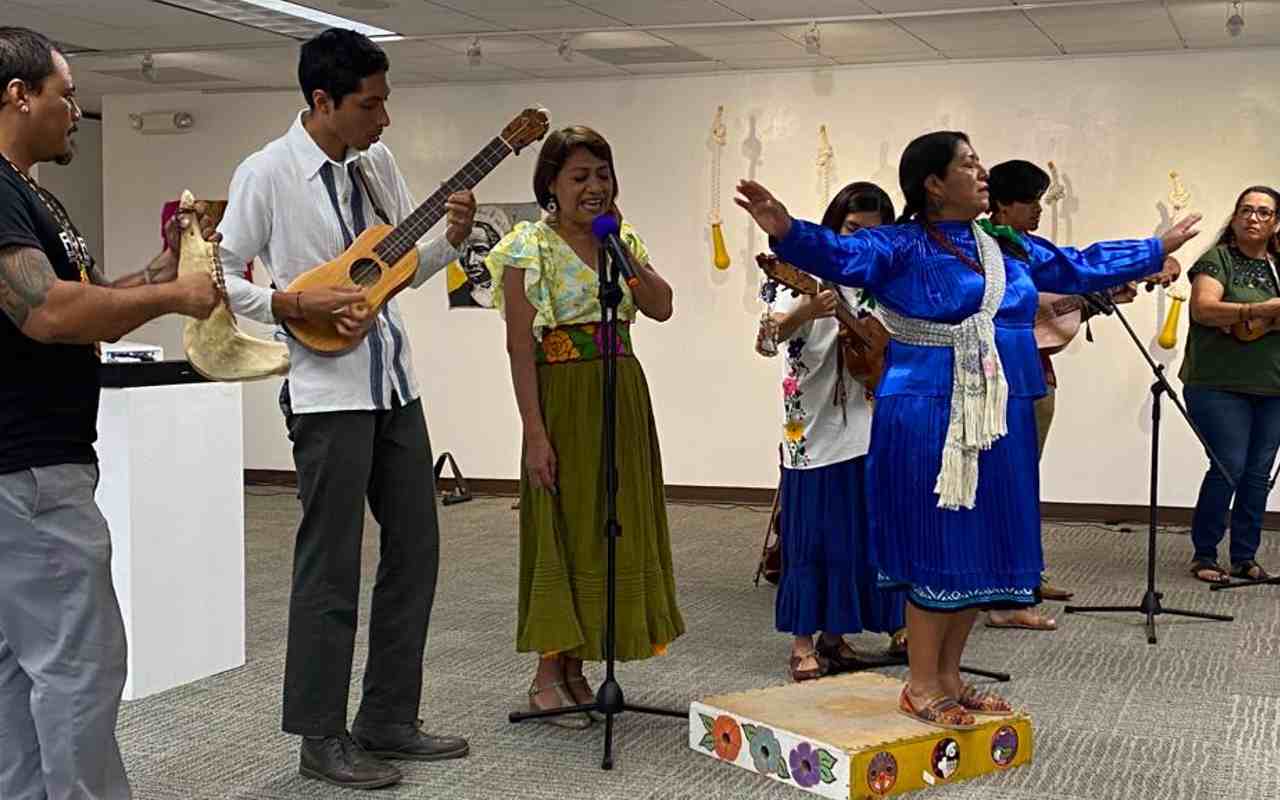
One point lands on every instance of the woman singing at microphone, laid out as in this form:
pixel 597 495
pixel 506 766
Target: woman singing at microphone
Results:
pixel 547 288
pixel 952 482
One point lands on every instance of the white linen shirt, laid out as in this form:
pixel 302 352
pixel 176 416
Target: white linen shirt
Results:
pixel 280 210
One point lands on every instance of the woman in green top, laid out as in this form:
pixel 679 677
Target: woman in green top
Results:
pixel 1232 387
pixel 547 288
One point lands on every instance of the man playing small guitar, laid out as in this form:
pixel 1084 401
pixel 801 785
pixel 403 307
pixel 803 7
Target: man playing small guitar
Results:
pixel 355 419
pixel 1016 188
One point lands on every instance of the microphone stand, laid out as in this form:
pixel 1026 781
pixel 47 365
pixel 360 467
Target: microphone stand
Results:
pixel 1150 605
pixel 609 700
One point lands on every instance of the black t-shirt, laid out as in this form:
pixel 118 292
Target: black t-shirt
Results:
pixel 48 392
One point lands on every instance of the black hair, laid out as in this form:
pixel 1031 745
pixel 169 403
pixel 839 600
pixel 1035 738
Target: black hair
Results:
pixel 856 198
pixel 335 62
pixel 1228 235
pixel 1015 181
pixel 927 155
pixel 26 56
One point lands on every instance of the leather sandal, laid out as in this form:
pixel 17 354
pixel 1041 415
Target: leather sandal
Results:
pixel 940 712
pixel 1050 592
pixel 582 679
pixel 799 675
pixel 840 657
pixel 1219 575
pixel 575 722
pixel 1249 570
pixel 985 703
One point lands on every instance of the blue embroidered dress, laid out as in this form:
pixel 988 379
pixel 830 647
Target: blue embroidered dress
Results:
pixel 988 555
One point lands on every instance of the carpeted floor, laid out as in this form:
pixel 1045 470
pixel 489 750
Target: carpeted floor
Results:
pixel 1196 716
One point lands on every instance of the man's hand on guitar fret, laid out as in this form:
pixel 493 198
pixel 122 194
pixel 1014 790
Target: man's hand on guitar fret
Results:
pixel 354 321
pixel 821 305
pixel 461 215
pixel 320 305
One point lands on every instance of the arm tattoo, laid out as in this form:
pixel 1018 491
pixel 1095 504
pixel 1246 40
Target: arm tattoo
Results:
pixel 25 279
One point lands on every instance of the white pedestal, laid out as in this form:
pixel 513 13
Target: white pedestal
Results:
pixel 172 490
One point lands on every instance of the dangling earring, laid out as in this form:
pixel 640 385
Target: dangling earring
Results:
pixel 552 206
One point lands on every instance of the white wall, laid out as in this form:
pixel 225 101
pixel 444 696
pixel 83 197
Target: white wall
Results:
pixel 1115 126
pixel 79 184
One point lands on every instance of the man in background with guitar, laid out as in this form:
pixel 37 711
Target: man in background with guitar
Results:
pixel 355 417
pixel 1015 190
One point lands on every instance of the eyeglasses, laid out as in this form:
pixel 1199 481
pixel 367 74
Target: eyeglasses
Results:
pixel 1263 214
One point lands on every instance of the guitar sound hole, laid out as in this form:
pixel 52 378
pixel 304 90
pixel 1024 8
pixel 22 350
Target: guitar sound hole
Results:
pixel 365 272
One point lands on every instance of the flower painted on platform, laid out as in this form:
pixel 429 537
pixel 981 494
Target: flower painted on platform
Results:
pixel 790 386
pixel 804 765
pixel 559 347
pixel 766 753
pixel 794 430
pixel 728 738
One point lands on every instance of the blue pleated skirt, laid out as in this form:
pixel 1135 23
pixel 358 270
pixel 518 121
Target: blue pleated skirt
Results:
pixel 987 556
pixel 828 582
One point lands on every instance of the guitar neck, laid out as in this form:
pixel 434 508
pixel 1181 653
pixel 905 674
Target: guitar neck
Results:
pixel 405 236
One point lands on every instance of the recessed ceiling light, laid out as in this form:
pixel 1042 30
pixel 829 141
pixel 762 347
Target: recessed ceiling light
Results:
pixel 278 16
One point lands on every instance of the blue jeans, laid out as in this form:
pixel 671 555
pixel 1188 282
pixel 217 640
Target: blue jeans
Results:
pixel 1244 432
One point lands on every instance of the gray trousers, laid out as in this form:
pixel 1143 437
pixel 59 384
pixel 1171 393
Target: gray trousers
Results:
pixel 62 643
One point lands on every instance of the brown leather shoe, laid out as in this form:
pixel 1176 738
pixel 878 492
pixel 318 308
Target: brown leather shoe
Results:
pixel 341 761
pixel 1050 592
pixel 799 675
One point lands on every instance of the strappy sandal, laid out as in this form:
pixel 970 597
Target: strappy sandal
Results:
pixel 1249 570
pixel 575 722
pixel 582 679
pixel 940 712
pixel 840 657
pixel 1220 575
pixel 819 671
pixel 985 703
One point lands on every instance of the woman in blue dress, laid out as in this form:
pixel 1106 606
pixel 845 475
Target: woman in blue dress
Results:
pixel 952 480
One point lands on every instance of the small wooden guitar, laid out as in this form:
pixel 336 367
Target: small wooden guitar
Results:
pixel 863 339
pixel 1253 329
pixel 384 259
pixel 1059 317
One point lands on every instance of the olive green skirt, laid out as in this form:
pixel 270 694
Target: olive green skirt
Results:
pixel 563 547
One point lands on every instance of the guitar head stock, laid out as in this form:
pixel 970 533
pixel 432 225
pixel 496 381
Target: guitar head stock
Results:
pixel 786 274
pixel 528 127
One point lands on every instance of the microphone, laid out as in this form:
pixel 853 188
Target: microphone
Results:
pixel 606 227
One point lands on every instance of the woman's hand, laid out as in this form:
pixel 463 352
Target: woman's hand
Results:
pixel 769 214
pixel 821 305
pixel 540 462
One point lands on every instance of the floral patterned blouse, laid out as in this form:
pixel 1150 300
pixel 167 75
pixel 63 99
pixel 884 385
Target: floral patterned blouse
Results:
pixel 562 289
pixel 816 432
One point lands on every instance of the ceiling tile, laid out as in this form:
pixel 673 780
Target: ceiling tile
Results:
pixel 981 35
pixel 845 40
pixel 530 14
pixel 663 12
pixel 771 9
pixel 694 37
pixel 1120 27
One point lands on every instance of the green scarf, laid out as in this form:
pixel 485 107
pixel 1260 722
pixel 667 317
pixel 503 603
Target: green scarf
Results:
pixel 1001 232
